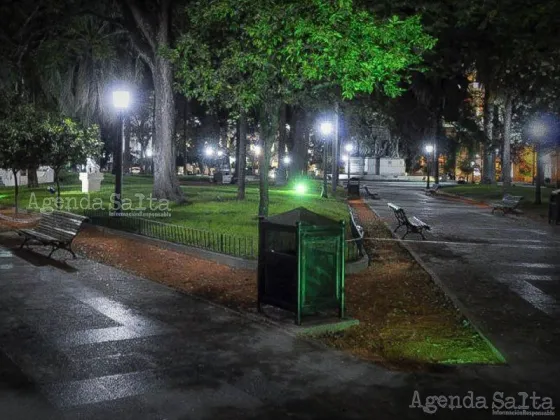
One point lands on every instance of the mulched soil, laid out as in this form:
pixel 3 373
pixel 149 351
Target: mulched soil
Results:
pixel 406 322
pixel 220 283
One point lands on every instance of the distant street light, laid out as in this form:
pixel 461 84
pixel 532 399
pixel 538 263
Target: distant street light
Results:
pixel 429 149
pixel 121 101
pixel 326 129
pixel 257 150
pixel 287 160
pixel 538 130
pixel 209 152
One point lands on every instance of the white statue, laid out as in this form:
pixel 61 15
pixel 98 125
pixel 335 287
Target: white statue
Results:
pixel 92 177
pixel 91 166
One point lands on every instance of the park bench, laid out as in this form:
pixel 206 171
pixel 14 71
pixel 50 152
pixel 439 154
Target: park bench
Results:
pixel 508 204
pixel 357 232
pixel 371 195
pixel 57 229
pixel 432 190
pixel 412 224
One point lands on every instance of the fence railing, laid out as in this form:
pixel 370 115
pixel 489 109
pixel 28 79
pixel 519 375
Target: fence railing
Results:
pixel 237 246
pixel 234 245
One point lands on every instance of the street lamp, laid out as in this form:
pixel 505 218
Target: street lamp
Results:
pixel 349 148
pixel 538 130
pixel 287 160
pixel 121 101
pixel 429 150
pixel 209 152
pixel 326 129
pixel 472 174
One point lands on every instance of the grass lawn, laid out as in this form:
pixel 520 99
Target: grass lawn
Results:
pixel 209 207
pixel 490 193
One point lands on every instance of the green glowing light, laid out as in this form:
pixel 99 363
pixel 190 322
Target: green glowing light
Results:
pixel 301 188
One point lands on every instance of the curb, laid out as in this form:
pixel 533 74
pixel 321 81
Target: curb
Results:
pixel 454 299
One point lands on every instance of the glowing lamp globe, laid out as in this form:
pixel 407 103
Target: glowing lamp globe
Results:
pixel 301 188
pixel 121 99
pixel 326 128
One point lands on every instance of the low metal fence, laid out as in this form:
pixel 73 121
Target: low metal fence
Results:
pixel 234 245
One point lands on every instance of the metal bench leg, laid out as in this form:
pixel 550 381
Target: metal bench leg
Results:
pixel 397 228
pixel 407 232
pixel 69 249
pixel 24 242
pixel 54 248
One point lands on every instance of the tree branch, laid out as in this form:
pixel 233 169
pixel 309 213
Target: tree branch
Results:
pixel 142 24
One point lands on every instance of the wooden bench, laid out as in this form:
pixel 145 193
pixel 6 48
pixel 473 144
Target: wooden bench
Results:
pixel 57 229
pixel 370 194
pixel 432 190
pixel 412 224
pixel 357 232
pixel 508 204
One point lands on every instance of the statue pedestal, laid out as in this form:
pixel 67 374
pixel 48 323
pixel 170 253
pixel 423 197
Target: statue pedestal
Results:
pixel 91 181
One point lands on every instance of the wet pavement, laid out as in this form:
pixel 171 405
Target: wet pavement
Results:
pixel 86 341
pixel 504 271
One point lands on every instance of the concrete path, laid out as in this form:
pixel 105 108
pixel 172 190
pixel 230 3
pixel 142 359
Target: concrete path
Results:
pixel 87 341
pixel 504 271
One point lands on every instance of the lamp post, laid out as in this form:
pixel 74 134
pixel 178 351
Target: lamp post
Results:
pixel 472 174
pixel 286 160
pixel 121 100
pixel 349 148
pixel 326 129
pixel 538 131
pixel 429 150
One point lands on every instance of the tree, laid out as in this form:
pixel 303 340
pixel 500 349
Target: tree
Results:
pixel 69 143
pixel 149 26
pixel 22 141
pixel 284 47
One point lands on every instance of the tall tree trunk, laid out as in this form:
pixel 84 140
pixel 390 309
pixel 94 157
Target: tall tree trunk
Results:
pixel 506 152
pixel 186 112
pixel 269 130
pixel 16 191
pixel 32 180
pixel 57 182
pixel 299 155
pixel 242 155
pixel 489 155
pixel 437 142
pixel 150 32
pixel 166 185
pixel 281 175
pixel 335 148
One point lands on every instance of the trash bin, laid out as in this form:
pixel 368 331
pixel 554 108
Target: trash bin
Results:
pixel 301 263
pixel 554 207
pixel 354 187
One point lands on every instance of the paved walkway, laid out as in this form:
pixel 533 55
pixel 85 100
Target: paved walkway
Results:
pixel 504 270
pixel 87 341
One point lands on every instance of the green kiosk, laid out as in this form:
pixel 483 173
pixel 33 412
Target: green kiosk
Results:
pixel 301 263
